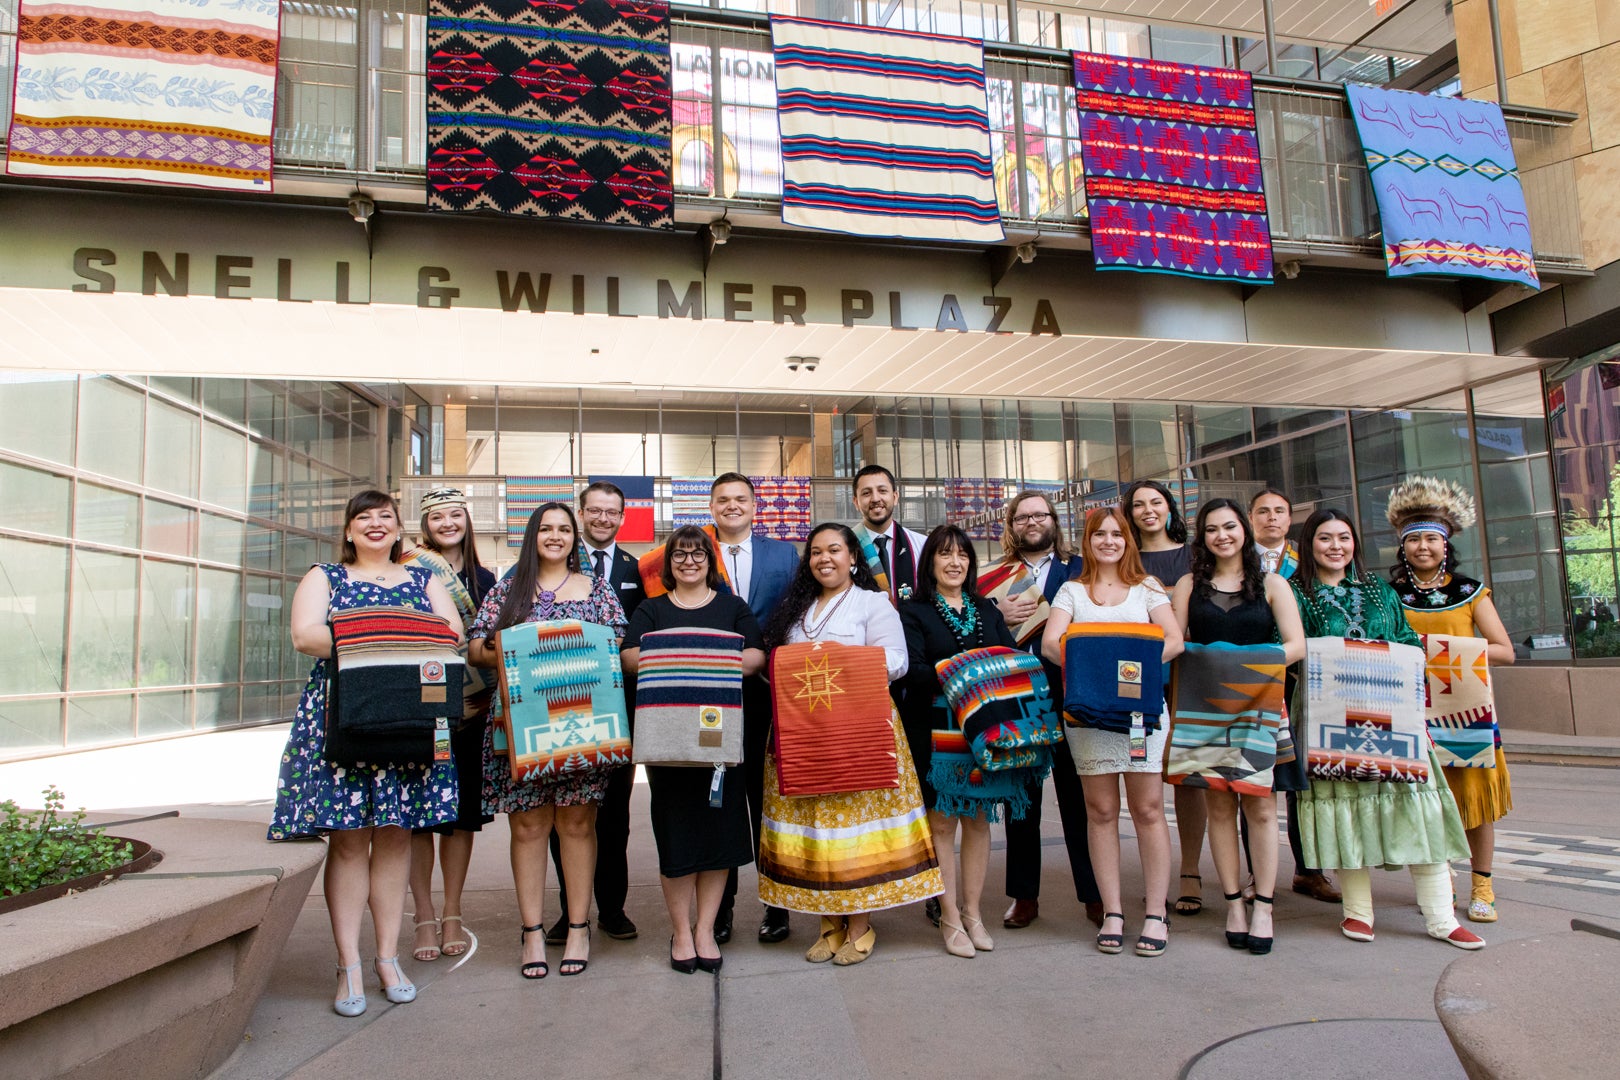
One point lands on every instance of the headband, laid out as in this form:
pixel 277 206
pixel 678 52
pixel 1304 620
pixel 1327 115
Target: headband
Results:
pixel 1425 526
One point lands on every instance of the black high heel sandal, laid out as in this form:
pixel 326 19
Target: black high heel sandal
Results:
pixel 1111 943
pixel 575 967
pixel 1146 946
pixel 1260 946
pixel 534 969
pixel 1234 938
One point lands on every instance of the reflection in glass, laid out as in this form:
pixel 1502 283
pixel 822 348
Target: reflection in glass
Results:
pixel 102 638
pixel 111 428
pixel 35 501
pixel 101 718
pixel 33 724
pixel 39 412
pixel 164 714
pixel 33 597
pixel 167 597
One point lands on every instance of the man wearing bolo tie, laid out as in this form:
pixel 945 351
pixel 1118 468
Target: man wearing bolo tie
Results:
pixel 759 570
pixel 890 550
pixel 601 514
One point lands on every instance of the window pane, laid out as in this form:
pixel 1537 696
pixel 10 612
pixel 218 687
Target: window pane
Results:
pixel 166 602
pixel 219 626
pixel 33 595
pixel 111 428
pixel 263 548
pixel 170 529
pixel 171 449
pixel 30 725
pixel 222 539
pixel 264 629
pixel 100 719
pixel 164 714
pixel 108 517
pixel 219 707
pixel 275 701
pixel 102 639
pixel 38 409
pixel 224 467
pixel 35 501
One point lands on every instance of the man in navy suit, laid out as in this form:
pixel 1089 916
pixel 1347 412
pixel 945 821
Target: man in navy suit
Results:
pixel 760 570
pixel 601 514
pixel 1036 563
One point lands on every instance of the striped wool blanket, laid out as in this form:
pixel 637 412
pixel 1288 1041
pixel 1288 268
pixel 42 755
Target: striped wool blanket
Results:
pixel 1000 700
pixel 397 675
pixel 561 699
pixel 1228 709
pixel 832 720
pixel 884 132
pixel 1461 707
pixel 1007 580
pixel 1113 675
pixel 475 688
pixel 1364 711
pixel 689 698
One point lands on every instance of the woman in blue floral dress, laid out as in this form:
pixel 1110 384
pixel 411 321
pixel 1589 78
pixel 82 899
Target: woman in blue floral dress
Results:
pixel 366 812
pixel 546 584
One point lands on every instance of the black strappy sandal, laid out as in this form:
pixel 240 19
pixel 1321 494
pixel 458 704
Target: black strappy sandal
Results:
pixel 1146 946
pixel 1189 904
pixel 575 967
pixel 1112 944
pixel 534 969
pixel 1236 939
pixel 1260 946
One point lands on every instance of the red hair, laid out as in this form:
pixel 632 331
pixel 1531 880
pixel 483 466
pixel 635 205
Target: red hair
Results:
pixel 1131 571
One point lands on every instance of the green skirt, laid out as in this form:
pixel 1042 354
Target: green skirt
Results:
pixel 1346 825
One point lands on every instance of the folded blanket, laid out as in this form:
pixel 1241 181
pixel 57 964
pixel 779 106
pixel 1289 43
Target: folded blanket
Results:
pixel 689 698
pixel 832 719
pixel 1113 674
pixel 1461 707
pixel 1001 702
pixel 1227 714
pixel 963 788
pixel 561 699
pixel 398 675
pixel 1364 711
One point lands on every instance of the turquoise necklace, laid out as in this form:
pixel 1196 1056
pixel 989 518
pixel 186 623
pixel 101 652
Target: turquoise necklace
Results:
pixel 1348 599
pixel 965 626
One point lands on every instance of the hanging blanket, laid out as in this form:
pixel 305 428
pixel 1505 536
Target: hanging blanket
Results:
pixel 689 500
pixel 1000 700
pixel 1461 711
pixel 1113 675
pixel 884 132
pixel 637 524
pixel 1228 711
pixel 1364 711
pixel 1172 168
pixel 781 507
pixel 1447 185
pixel 975 502
pixel 832 719
pixel 175 92
pixel 398 679
pixel 561 699
pixel 651 566
pixel 526 494
pixel 553 108
pixel 689 698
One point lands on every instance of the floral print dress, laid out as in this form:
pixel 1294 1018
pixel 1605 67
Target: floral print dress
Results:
pixel 314 795
pixel 502 794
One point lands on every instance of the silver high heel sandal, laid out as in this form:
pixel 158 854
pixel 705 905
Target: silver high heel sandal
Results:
pixel 403 989
pixel 355 1003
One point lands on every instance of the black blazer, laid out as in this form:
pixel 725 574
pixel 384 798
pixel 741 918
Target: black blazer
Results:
pixel 928 641
pixel 626 580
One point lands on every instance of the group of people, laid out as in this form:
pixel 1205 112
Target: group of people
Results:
pixel 1233 578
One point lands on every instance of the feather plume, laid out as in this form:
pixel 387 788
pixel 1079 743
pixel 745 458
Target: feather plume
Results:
pixel 1421 497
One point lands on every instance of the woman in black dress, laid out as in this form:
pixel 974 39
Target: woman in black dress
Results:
pixel 1228 598
pixel 946 616
pixel 698 844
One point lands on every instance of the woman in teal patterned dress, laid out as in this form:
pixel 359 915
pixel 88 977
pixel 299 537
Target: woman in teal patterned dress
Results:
pixel 366 812
pixel 546 583
pixel 1354 826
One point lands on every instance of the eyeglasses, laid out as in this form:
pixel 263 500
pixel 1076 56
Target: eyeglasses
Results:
pixel 1032 519
pixel 684 555
pixel 598 512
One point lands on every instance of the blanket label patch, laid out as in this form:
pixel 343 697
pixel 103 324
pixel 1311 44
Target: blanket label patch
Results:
pixel 1130 679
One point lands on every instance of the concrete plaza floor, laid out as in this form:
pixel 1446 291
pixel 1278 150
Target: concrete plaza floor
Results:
pixel 1044 1003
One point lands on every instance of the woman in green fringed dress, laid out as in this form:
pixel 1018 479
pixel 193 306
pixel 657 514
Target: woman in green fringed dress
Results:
pixel 1354 826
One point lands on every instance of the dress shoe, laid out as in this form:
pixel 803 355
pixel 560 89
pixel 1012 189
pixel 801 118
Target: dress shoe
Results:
pixel 722 927
pixel 711 964
pixel 618 927
pixel 1021 914
pixel 685 967
pixel 1317 887
pixel 1094 913
pixel 931 909
pixel 775 927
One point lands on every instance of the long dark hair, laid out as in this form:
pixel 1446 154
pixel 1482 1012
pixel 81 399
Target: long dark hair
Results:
pixel 1400 574
pixel 1305 575
pixel 805 589
pixel 1203 561
pixel 526 573
pixel 370 499
pixel 946 538
pixel 690 538
pixel 470 566
pixel 1175 528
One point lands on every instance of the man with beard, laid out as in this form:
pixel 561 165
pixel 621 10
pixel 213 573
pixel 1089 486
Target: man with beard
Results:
pixel 1035 564
pixel 890 550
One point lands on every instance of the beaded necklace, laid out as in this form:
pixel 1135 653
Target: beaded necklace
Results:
pixel 1347 592
pixel 813 633
pixel 964 627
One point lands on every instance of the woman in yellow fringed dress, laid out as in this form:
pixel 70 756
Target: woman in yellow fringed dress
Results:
pixel 847 855
pixel 1426 514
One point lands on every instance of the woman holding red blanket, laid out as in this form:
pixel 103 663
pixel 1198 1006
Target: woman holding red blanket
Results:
pixel 366 812
pixel 1113 588
pixel 546 583
pixel 944 617
pixel 1228 599
pixel 843 856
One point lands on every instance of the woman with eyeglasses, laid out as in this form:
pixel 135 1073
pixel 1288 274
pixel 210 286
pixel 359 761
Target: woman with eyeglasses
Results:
pixel 698 842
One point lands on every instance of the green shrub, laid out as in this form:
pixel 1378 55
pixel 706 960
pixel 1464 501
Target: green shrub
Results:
pixel 1600 640
pixel 45 847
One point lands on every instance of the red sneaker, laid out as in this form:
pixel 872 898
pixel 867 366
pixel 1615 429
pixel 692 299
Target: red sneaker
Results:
pixel 1465 939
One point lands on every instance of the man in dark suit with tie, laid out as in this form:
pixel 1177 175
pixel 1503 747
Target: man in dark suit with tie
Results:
pixel 1035 564
pixel 884 541
pixel 601 513
pixel 760 570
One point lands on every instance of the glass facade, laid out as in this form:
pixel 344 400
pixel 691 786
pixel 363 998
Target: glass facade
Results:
pixel 157 531
pixel 1586 449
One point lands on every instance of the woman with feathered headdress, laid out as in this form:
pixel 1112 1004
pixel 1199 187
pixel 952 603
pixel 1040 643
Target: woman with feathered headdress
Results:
pixel 1427 514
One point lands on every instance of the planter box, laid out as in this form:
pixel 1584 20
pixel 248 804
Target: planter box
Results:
pixel 156 974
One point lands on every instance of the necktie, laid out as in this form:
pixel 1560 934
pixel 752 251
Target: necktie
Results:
pixel 882 543
pixel 599 557
pixel 736 581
